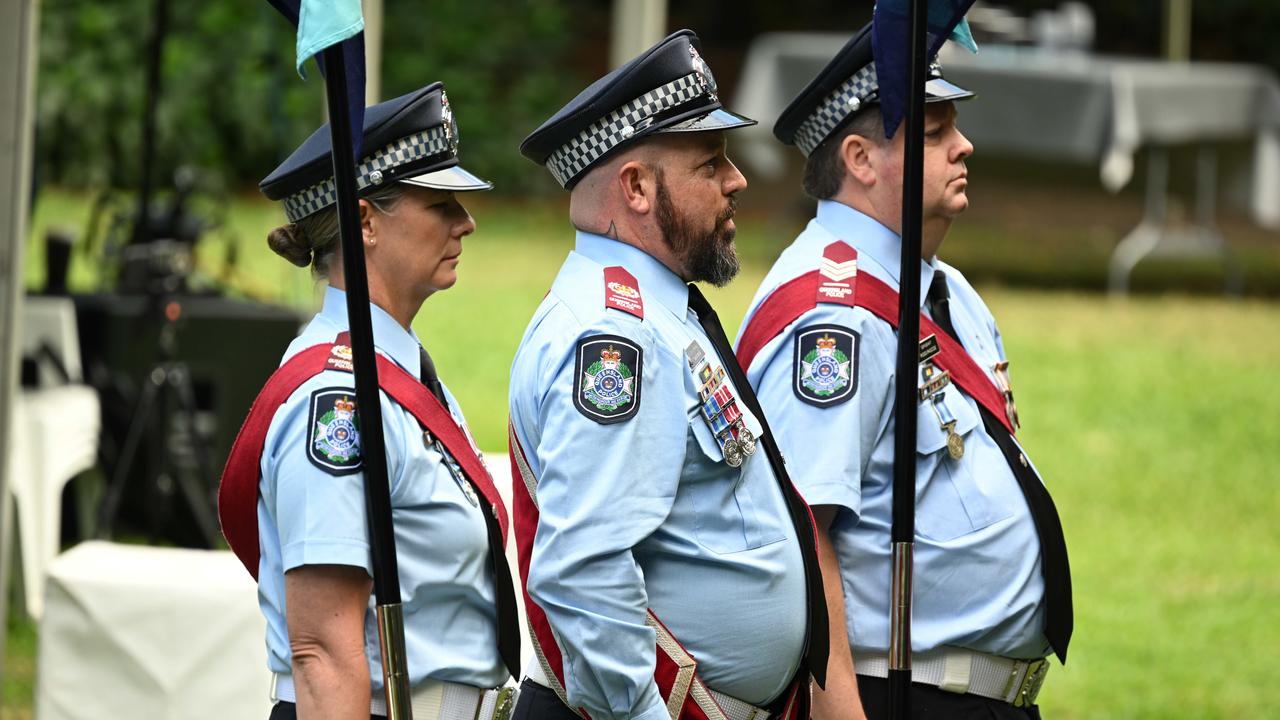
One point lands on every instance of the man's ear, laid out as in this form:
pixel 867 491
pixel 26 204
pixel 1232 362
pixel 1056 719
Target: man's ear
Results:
pixel 368 225
pixel 639 186
pixel 859 163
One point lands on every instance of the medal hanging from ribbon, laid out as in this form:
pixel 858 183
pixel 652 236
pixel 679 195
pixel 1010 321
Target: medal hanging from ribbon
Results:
pixel 720 408
pixel 932 391
pixel 1001 372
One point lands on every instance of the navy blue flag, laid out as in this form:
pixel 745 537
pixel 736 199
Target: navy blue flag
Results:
pixel 890 26
pixel 321 24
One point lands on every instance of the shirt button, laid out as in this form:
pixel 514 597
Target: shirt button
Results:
pixel 1022 458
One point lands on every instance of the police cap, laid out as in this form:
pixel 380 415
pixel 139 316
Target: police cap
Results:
pixel 668 88
pixel 412 139
pixel 846 85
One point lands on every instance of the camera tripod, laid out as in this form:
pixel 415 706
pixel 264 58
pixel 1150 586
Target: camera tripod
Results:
pixel 166 384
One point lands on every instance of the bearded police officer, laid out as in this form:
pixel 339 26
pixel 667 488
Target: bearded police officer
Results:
pixel 670 566
pixel 992 596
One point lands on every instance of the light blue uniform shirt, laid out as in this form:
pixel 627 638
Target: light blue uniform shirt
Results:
pixel 307 516
pixel 645 513
pixel 977 556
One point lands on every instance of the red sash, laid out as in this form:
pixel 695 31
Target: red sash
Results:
pixel 675 671
pixel 800 295
pixel 238 492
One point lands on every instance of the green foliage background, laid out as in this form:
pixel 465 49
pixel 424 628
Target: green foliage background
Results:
pixel 233 106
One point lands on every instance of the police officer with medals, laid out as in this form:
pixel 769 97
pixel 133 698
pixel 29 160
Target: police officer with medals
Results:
pixel 669 565
pixel 992 596
pixel 292 500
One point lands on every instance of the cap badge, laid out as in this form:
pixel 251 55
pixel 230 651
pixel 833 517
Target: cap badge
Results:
pixel 450 123
pixel 703 70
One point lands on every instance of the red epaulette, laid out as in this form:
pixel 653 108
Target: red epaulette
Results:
pixel 622 292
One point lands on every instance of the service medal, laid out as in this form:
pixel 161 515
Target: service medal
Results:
pixel 733 453
pixel 955 443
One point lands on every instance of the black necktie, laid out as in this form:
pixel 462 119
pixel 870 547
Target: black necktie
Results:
pixel 819 638
pixel 1053 547
pixel 429 377
pixel 503 588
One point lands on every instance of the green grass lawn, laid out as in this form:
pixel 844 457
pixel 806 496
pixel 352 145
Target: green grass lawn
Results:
pixel 1155 421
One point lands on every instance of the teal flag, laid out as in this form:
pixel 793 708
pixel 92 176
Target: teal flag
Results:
pixel 322 23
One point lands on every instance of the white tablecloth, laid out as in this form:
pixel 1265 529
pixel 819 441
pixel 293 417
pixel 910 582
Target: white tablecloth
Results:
pixel 143 632
pixel 1055 105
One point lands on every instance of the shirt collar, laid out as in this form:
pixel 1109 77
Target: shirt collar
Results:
pixel 654 278
pixel 388 336
pixel 883 245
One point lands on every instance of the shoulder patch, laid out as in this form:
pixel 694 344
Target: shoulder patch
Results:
pixel 621 291
pixel 826 364
pixel 333 442
pixel 607 371
pixel 837 274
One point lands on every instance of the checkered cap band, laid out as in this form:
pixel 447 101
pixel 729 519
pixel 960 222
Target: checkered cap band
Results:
pixel 433 141
pixel 862 86
pixel 622 124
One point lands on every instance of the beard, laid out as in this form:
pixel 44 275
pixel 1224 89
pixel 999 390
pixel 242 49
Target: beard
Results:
pixel 707 256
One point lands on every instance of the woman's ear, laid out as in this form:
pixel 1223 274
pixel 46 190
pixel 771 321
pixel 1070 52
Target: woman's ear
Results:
pixel 368 224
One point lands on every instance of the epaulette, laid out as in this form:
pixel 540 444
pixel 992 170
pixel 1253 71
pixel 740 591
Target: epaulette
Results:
pixel 837 273
pixel 622 292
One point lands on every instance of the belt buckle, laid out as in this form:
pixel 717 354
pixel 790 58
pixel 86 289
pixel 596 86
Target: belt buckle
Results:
pixel 505 704
pixel 1031 683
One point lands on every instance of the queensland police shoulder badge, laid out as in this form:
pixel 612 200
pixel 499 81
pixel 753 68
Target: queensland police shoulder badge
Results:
pixel 826 364
pixel 607 371
pixel 334 440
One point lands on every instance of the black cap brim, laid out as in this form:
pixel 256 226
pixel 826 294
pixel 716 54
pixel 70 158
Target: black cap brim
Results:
pixel 718 119
pixel 452 179
pixel 939 89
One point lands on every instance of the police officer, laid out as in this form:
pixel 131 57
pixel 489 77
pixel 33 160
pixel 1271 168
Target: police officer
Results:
pixel 669 564
pixel 992 596
pixel 314 562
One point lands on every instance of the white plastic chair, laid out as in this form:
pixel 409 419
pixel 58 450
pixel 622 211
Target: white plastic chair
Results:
pixel 53 437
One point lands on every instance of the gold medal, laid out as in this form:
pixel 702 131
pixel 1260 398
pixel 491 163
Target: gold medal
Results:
pixel 955 443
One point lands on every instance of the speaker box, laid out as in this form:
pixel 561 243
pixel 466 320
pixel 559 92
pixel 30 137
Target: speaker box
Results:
pixel 229 348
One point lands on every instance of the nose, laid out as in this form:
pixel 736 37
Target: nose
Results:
pixel 963 149
pixel 735 182
pixel 465 224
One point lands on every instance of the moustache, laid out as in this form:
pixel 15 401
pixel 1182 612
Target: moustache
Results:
pixel 728 213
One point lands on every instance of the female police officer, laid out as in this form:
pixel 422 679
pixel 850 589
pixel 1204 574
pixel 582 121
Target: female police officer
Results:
pixel 302 461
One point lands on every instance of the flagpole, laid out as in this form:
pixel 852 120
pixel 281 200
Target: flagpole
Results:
pixel 377 493
pixel 904 440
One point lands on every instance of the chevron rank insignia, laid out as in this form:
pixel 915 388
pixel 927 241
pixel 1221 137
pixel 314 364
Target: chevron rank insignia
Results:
pixel 334 439
pixel 607 369
pixel 837 274
pixel 826 364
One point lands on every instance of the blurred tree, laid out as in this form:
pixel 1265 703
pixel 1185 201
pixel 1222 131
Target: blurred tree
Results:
pixel 228 101
pixel 232 105
pixel 503 65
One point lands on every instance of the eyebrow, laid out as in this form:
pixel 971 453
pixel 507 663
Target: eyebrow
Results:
pixel 713 142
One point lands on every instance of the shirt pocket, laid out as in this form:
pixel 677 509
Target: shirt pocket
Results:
pixel 950 502
pixel 733 507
